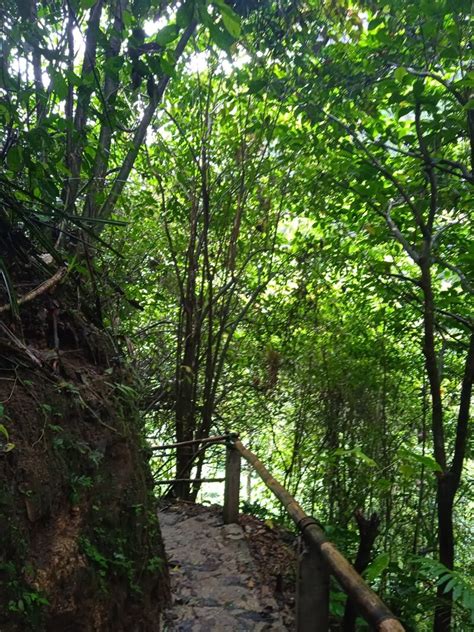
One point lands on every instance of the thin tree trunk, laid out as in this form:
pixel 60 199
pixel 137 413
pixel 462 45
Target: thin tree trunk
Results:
pixel 421 489
pixel 368 531
pixel 111 86
pixel 140 134
pixel 431 364
pixel 186 371
pixel 37 72
pixel 83 101
pixel 445 493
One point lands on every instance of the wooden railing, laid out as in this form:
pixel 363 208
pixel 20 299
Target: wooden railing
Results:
pixel 319 558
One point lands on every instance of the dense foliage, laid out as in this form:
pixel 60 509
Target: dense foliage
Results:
pixel 273 203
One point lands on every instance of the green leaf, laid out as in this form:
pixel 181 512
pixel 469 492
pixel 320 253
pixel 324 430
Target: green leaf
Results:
pixel 457 591
pixel 364 458
pixel 127 19
pixel 71 76
pixel 356 453
pixel 4 431
pixel 221 38
pixel 167 35
pixel 418 88
pixel 15 158
pixel 155 65
pixel 400 73
pixel 113 65
pixel 469 105
pixel 168 65
pixel 87 4
pixel 449 585
pixel 407 470
pixel 231 25
pixel 185 14
pixel 4 113
pixel 427 461
pixel 443 577
pixel 230 19
pixel 256 85
pixel 99 220
pixel 376 568
pixel 60 86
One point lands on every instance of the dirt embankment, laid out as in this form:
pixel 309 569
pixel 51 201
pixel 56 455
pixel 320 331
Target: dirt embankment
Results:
pixel 80 543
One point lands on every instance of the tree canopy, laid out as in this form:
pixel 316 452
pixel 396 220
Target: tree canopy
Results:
pixel 271 203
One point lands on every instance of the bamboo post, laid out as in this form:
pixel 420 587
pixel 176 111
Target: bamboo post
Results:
pixel 232 485
pixel 367 601
pixel 312 593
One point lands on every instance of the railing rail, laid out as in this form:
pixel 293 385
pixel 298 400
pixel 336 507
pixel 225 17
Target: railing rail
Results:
pixel 209 440
pixel 320 557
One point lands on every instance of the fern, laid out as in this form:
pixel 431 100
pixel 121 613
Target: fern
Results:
pixel 461 585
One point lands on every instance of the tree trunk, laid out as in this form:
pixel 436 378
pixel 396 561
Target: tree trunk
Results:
pixel 368 531
pixel 444 497
pixel 184 454
pixel 448 485
pixel 185 423
pixel 445 493
pixel 186 368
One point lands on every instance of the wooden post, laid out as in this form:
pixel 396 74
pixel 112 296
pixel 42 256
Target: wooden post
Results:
pixel 232 486
pixel 312 590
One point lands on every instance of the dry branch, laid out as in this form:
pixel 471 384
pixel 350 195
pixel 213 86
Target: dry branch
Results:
pixel 40 289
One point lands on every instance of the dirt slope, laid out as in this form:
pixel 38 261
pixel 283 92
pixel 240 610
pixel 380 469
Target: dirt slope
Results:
pixel 80 542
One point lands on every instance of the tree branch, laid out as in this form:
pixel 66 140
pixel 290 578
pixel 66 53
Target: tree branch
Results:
pixel 383 170
pixel 139 137
pixel 465 283
pixel 431 175
pixel 397 233
pixel 424 73
pixel 40 289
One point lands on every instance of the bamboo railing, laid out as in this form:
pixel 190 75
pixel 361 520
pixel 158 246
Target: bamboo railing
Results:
pixel 320 557
pixel 369 604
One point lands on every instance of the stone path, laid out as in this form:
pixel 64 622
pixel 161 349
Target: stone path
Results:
pixel 214 581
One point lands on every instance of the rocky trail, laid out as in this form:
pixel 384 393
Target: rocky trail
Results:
pixel 225 577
